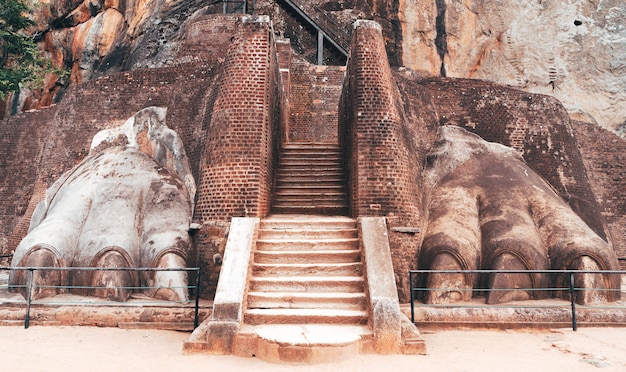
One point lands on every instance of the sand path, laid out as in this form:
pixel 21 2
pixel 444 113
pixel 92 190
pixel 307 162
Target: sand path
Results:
pixel 112 349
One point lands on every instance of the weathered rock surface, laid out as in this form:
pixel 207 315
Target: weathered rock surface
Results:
pixel 574 50
pixel 128 204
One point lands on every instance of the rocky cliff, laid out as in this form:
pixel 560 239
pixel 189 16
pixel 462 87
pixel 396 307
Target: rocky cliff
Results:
pixel 574 50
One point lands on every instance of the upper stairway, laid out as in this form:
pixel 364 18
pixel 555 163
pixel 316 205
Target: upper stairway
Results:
pixel 310 180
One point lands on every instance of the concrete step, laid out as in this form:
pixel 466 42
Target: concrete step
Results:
pixel 325 269
pixel 308 164
pixel 296 233
pixel 310 153
pixel 352 284
pixel 299 146
pixel 304 257
pixel 264 244
pixel 310 189
pixel 290 196
pixel 338 210
pixel 306 168
pixel 297 300
pixel 305 316
pixel 302 343
pixel 308 174
pixel 306 222
pixel 310 180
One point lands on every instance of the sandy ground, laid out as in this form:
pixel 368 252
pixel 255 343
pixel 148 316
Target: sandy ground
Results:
pixel 114 349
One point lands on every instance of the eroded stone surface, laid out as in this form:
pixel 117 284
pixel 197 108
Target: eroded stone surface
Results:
pixel 127 204
pixel 488 210
pixel 573 50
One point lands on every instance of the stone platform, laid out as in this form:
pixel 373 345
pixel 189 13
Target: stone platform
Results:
pixel 72 310
pixel 550 313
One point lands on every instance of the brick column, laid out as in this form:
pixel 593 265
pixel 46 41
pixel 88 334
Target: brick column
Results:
pixel 236 166
pixel 374 133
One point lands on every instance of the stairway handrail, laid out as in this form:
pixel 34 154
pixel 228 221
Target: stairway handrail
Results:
pixel 318 18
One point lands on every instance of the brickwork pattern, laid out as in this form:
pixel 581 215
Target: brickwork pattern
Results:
pixel 22 140
pixel 314 97
pixel 379 146
pixel 604 155
pixel 237 163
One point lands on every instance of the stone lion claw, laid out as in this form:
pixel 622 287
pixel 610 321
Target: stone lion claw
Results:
pixel 109 212
pixel 488 210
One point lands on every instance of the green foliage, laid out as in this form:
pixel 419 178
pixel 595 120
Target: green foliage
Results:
pixel 21 63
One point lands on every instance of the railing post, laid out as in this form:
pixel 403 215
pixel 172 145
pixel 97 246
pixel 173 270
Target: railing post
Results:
pixel 29 297
pixel 572 299
pixel 412 297
pixel 320 47
pixel 197 290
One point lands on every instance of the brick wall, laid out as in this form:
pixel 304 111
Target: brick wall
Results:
pixel 314 97
pixel 22 140
pixel 604 156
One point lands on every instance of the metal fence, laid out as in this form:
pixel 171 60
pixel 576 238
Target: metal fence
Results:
pixel 31 285
pixel 417 276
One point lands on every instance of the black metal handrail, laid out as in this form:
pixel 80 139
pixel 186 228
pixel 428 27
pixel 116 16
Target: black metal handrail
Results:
pixel 413 274
pixel 31 270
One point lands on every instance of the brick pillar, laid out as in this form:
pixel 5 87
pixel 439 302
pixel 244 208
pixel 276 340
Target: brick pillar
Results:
pixel 235 180
pixel 374 132
pixel 377 141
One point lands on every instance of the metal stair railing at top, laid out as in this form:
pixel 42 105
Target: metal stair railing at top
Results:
pixel 414 275
pixel 31 284
pixel 237 6
pixel 326 27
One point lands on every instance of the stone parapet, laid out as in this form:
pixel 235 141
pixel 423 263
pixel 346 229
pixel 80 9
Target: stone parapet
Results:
pixel 393 333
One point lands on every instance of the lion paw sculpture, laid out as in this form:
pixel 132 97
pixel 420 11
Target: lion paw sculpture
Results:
pixel 488 210
pixel 128 204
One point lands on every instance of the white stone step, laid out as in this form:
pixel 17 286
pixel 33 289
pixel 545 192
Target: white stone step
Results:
pixel 304 300
pixel 297 257
pixel 352 284
pixel 305 316
pixel 307 244
pixel 326 269
pixel 302 343
pixel 295 233
pixel 307 222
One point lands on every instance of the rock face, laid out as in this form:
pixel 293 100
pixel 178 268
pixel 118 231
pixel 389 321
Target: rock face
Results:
pixel 127 204
pixel 574 50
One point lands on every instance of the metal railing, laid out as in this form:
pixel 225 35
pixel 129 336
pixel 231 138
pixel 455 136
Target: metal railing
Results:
pixel 416 275
pixel 235 6
pixel 326 26
pixel 31 285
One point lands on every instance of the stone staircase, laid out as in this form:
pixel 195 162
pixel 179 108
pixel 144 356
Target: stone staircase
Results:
pixel 306 289
pixel 310 180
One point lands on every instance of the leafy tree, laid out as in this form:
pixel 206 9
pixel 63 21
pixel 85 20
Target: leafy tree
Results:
pixel 20 60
